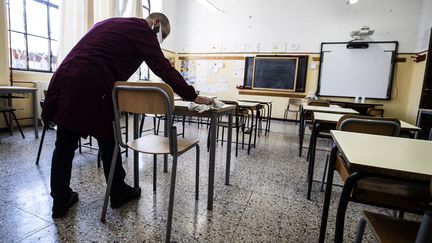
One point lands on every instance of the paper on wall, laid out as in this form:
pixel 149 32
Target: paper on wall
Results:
pixel 221 87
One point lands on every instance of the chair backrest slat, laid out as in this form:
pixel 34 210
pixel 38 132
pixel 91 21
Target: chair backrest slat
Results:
pixel 385 126
pixel 144 102
pixel 324 103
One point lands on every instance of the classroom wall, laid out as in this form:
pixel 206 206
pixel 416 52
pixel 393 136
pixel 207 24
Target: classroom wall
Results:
pixel 300 24
pixel 424 29
pixel 403 105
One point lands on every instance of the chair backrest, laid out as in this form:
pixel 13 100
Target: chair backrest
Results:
pixel 375 112
pixel 324 103
pixel 294 101
pixel 145 100
pixel 141 98
pixel 385 126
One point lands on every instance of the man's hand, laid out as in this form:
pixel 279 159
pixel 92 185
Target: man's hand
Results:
pixel 203 100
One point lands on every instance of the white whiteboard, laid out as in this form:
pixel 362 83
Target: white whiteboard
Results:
pixel 357 72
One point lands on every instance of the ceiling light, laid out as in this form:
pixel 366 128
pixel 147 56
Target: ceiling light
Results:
pixel 352 1
pixel 210 5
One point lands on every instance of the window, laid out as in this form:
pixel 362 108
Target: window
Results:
pixel 148 7
pixel 33 34
pixel 144 71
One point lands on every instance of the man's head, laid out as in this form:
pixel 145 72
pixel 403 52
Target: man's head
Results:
pixel 158 21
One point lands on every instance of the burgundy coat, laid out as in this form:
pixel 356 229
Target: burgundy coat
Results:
pixel 79 95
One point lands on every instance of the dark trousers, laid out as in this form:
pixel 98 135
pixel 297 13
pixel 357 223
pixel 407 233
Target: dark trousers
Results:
pixel 61 167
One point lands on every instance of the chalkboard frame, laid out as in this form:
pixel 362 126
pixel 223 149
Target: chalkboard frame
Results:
pixel 392 67
pixel 300 73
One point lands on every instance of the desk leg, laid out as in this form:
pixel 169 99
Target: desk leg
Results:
pixel 312 146
pixel 213 129
pixel 269 116
pixel 35 118
pixel 343 204
pixel 228 154
pixel 301 132
pixel 329 185
pixel 258 116
pixel 135 153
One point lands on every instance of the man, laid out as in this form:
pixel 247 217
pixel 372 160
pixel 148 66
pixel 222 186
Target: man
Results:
pixel 79 96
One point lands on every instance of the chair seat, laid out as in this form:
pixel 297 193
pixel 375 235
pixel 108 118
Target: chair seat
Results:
pixel 411 196
pixel 152 144
pixel 392 230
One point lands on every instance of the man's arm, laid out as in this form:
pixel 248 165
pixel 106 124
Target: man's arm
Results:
pixel 156 61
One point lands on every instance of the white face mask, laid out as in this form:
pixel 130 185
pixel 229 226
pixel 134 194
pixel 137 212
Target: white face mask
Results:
pixel 159 34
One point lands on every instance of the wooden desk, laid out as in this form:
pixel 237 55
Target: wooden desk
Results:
pixel 308 108
pixel 269 104
pixel 181 109
pixel 254 127
pixel 330 120
pixel 378 156
pixel 9 90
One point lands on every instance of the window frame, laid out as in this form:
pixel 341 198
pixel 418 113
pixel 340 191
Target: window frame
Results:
pixel 48 4
pixel 140 74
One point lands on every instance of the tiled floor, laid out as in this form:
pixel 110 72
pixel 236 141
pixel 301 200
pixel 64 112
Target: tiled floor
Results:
pixel 266 200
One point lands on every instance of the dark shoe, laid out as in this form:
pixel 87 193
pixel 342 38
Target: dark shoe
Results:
pixel 127 195
pixel 60 210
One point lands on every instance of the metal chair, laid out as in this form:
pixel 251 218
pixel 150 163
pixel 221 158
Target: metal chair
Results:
pixel 388 229
pixel 239 124
pixel 150 98
pixel 410 196
pixel 293 106
pixel 375 112
pixel 11 112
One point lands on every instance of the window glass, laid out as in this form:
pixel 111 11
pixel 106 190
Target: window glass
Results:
pixel 18 52
pixel 54 23
pixel 16 15
pixel 37 18
pixel 39 56
pixel 33 34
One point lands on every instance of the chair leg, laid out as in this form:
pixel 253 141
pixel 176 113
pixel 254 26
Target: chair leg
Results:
pixel 223 135
pixel 109 183
pixel 154 125
pixel 158 126
pixel 237 135
pixel 171 199
pixel 79 145
pixel 45 127
pixel 154 172
pixel 324 174
pixel 7 123
pixel 141 125
pixel 197 171
pixel 243 135
pixel 99 158
pixel 360 230
pixel 18 125
pixel 183 126
pixel 208 140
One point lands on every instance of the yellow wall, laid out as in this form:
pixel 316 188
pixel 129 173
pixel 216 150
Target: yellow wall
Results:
pixel 403 105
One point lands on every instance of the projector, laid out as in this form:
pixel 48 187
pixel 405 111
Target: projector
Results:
pixel 360 34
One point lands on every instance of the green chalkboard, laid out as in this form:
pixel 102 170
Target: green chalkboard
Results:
pixel 276 72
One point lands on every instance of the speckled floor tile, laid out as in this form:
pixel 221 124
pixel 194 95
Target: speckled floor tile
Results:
pixel 265 201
